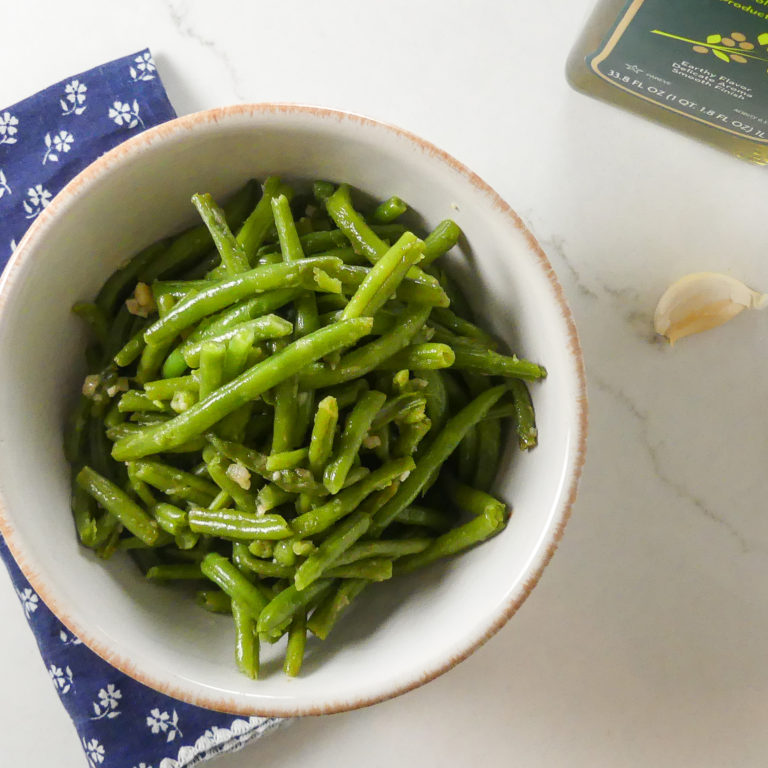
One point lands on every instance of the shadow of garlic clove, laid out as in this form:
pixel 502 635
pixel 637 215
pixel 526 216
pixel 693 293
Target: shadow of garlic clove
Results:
pixel 700 301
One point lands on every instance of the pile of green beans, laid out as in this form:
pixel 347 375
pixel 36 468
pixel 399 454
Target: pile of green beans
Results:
pixel 287 403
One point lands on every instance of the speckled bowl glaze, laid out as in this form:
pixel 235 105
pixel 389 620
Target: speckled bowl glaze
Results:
pixel 403 633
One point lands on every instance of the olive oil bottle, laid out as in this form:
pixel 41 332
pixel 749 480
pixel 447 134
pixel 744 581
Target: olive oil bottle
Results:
pixel 699 66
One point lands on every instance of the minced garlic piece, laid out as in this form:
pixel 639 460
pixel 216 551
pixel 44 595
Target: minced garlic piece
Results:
pixel 240 475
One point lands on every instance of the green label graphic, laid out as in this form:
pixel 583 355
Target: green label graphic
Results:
pixel 704 59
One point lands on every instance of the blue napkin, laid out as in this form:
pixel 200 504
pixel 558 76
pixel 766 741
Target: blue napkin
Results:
pixel 44 141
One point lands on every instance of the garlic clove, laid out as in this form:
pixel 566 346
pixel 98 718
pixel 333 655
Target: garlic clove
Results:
pixel 700 301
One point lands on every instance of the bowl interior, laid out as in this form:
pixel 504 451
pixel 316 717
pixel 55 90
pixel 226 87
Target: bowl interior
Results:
pixel 400 633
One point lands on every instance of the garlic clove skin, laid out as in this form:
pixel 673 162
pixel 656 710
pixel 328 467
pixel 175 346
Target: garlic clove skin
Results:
pixel 700 301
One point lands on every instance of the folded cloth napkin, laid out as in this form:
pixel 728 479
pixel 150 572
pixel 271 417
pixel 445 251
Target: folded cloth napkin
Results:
pixel 44 141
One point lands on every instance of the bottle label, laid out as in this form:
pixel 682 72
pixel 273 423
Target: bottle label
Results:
pixel 704 59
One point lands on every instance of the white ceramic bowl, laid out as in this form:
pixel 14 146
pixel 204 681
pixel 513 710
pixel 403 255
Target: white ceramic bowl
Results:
pixel 402 633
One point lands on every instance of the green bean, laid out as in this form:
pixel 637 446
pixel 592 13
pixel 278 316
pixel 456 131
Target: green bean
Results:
pixel 287 459
pixel 119 505
pixel 165 389
pixel 411 435
pixel 298 481
pixel 246 640
pixel 244 500
pixel 355 475
pixel 490 519
pixel 338 541
pixel 119 283
pixel 325 616
pixel 238 348
pixel 401 408
pixel 229 579
pixel 331 302
pixel 488 453
pixel 440 240
pixel 260 548
pixel 264 568
pixel 525 418
pixel 322 190
pixel 436 398
pixel 222 294
pixel 297 640
pixel 389 210
pixel 353 225
pixel 434 456
pixel 74 437
pixel 363 360
pixel 290 245
pixel 383 548
pixel 211 373
pixel 323 517
pixel 189 247
pixel 284 554
pixel 83 514
pixel 214 600
pixel 286 394
pixel 256 226
pixel 124 326
pixel 266 327
pixel 424 357
pixel 305 409
pixel 151 360
pixel 355 429
pixel 288 602
pixel 271 496
pixel 323 433
pixel 136 401
pixel 462 327
pixel 131 350
pixel 419 290
pixel 424 517
pixel 247 386
pixel 175 572
pixel 382 280
pixel 493 364
pixel 236 525
pixel 349 393
pixel 175 482
pixel 170 518
pixel 373 569
pixel 233 257
pixel 466 455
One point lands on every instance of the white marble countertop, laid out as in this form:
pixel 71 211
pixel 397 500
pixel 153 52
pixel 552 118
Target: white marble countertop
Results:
pixel 644 643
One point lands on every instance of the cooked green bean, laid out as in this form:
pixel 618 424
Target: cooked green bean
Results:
pixel 288 602
pixel 222 294
pixel 287 459
pixel 525 418
pixel 229 579
pixel 174 572
pixel 327 613
pixel 214 600
pixel 372 569
pixel 119 505
pixel 343 503
pixel 297 640
pixel 243 499
pixel 265 327
pixel 389 210
pixel 272 496
pixel 424 357
pixel 349 393
pixel 355 429
pixel 233 257
pixel 246 639
pixel 439 450
pixel 383 548
pixel 235 525
pixel 440 240
pixel 493 364
pixel 248 385
pixel 323 433
pixel 382 280
pixel 286 395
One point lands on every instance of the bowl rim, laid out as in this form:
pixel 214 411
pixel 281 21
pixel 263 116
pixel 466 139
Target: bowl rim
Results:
pixel 220 702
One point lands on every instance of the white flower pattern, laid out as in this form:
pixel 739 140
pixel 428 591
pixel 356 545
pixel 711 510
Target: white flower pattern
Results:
pixel 74 99
pixel 28 597
pixel 37 199
pixel 4 184
pixel 162 722
pixel 62 678
pixel 8 129
pixel 108 703
pixel 94 751
pixel 64 637
pixel 126 114
pixel 144 69
pixel 61 143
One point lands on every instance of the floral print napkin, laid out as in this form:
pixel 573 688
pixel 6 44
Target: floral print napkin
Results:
pixel 45 140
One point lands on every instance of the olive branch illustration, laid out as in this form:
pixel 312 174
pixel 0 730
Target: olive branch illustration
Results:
pixel 734 48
